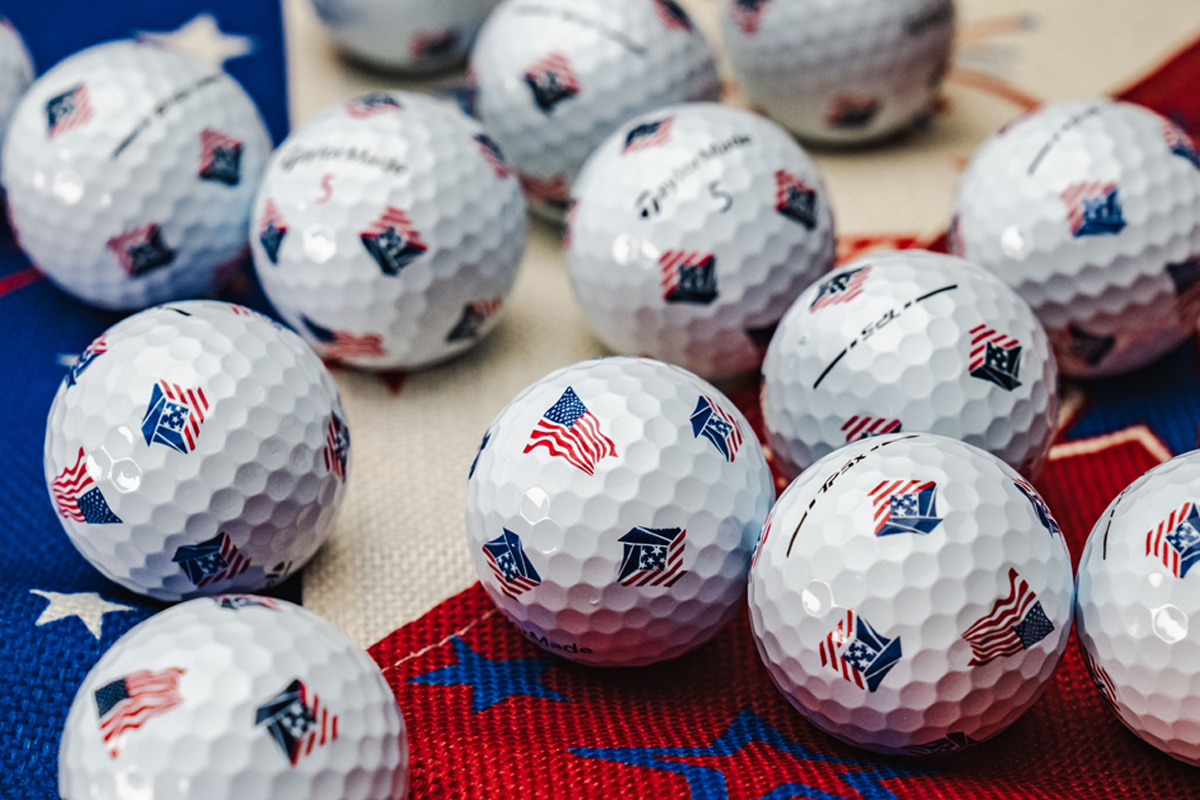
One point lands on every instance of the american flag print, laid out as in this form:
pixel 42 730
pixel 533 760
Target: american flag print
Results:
pixel 1175 541
pixel 904 506
pixel 795 199
pixel 747 14
pixel 672 15
pixel 646 135
pixel 67 110
pixel 840 288
pixel 368 105
pixel 762 540
pixel 652 556
pixel 848 111
pixel 127 703
pixel 94 350
pixel 393 241
pixel 569 431
pixel 552 191
pixel 141 249
pixel 688 277
pixel 717 426
pixel 475 316
pixel 220 157
pixel 236 602
pixel 858 653
pixel 78 498
pixel 493 156
pixel 434 43
pixel 335 345
pixel 1100 678
pixel 1040 509
pixel 337 446
pixel 508 562
pixel 551 81
pixel 1180 144
pixel 1093 208
pixel 271 230
pixel 948 743
pixel 862 427
pixel 1015 623
pixel 174 416
pixel 994 357
pixel 297 721
pixel 212 561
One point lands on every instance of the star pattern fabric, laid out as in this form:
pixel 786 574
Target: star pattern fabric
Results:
pixel 492 680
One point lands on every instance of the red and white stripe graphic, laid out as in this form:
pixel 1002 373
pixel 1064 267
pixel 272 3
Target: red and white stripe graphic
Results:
pixel 980 336
pixel 747 15
pixel 514 588
pixel 335 450
pixel 834 291
pixel 1075 194
pixel 395 218
pixel 651 138
pixel 1100 677
pixel 672 15
pixel 883 493
pixel 830 647
pixel 858 427
pixel 122 243
pixel 552 191
pixel 197 404
pixel 324 729
pixel 235 561
pixel 665 577
pixel 671 261
pixel 346 345
pixel 994 635
pixel 148 695
pixel 1156 539
pixel 210 141
pixel 557 63
pixel 784 183
pixel 81 113
pixel 69 485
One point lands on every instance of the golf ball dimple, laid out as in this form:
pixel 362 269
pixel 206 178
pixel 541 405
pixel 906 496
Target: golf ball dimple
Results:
pixel 234 696
pixel 1091 210
pixel 388 231
pixel 911 594
pixel 130 171
pixel 555 77
pixel 910 341
pixel 197 448
pixel 404 35
pixel 692 230
pixel 840 71
pixel 1137 609
pixel 16 72
pixel 612 508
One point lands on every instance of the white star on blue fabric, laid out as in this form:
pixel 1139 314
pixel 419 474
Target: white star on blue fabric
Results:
pixel 90 607
pixel 492 680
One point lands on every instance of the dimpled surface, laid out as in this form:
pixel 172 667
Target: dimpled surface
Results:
pixel 197 448
pixel 405 35
pixel 130 172
pixel 1091 210
pixel 388 231
pixel 839 71
pixel 625 538
pixel 217 670
pixel 555 77
pixel 910 341
pixel 1138 609
pixel 16 72
pixel 878 562
pixel 693 229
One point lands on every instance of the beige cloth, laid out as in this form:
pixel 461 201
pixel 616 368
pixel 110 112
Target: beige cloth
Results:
pixel 399 546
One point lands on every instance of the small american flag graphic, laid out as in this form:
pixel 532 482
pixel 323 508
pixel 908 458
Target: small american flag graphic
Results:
pixel 337 446
pixel 220 157
pixel 508 562
pixel 569 431
pixel 474 317
pixel 1175 541
pixel 78 498
pixel 493 156
pixel 551 81
pixel 68 110
pixel 795 199
pixel 236 602
pixel 211 561
pixel 1093 208
pixel 127 703
pixel 747 14
pixel 94 350
pixel 393 241
pixel 551 191
pixel 368 105
pixel 337 345
pixel 141 249
pixel 271 230
pixel 1040 509
pixel 905 506
pixel 1100 677
pixel 174 416
pixel 858 653
pixel 1180 143
pixel 762 540
pixel 1015 623
pixel 672 15
pixel 652 557
pixel 994 357
pixel 718 426
pixel 840 288
pixel 849 111
pixel 297 721
pixel 646 135
pixel 688 277
pixel 862 427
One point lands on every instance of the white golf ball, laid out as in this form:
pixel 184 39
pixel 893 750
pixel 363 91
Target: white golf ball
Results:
pixel 555 77
pixel 388 231
pixel 16 72
pixel 1091 210
pixel 130 171
pixel 840 71
pixel 404 35
pixel 197 448
pixel 234 696
pixel 910 341
pixel 911 594
pixel 1138 611
pixel 692 230
pixel 612 509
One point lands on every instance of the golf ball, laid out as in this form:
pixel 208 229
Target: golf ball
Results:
pixel 693 228
pixel 911 594
pixel 130 171
pixel 404 35
pixel 840 71
pixel 1091 210
pixel 16 72
pixel 197 448
pixel 234 696
pixel 910 341
pixel 388 231
pixel 1137 608
pixel 612 508
pixel 555 77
